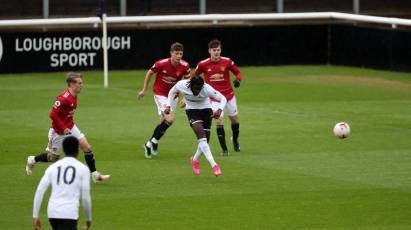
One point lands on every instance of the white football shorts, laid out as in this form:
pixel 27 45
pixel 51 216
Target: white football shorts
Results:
pixel 230 108
pixel 56 141
pixel 161 102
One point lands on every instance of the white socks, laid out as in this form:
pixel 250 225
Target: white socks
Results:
pixel 198 153
pixel 154 140
pixel 205 149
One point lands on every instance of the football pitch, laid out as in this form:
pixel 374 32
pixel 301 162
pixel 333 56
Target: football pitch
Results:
pixel 291 173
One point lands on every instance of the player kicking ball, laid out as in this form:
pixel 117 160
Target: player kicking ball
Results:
pixel 62 125
pixel 197 96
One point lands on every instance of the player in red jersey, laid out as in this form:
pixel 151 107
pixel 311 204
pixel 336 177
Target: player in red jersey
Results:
pixel 168 72
pixel 63 125
pixel 216 71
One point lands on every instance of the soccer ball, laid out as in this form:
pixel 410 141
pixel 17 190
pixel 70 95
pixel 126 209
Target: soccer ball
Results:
pixel 342 130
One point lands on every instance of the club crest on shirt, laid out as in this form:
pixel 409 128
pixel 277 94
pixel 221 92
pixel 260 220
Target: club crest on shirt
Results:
pixel 222 68
pixel 56 104
pixel 178 73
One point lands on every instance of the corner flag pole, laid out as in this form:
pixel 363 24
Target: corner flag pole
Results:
pixel 102 14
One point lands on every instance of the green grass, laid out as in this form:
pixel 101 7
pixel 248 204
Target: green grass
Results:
pixel 292 173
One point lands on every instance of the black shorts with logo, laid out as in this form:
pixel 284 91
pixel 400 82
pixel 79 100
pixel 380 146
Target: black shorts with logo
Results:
pixel 200 115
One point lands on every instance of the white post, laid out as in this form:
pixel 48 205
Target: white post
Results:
pixel 45 8
pixel 280 6
pixel 105 51
pixel 356 6
pixel 203 6
pixel 123 7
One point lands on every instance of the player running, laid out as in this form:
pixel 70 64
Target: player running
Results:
pixel 62 125
pixel 168 72
pixel 216 70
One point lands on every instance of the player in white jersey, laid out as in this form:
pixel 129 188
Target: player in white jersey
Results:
pixel 198 109
pixel 69 178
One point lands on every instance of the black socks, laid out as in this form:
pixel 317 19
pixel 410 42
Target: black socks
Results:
pixel 90 160
pixel 43 157
pixel 236 131
pixel 160 130
pixel 221 137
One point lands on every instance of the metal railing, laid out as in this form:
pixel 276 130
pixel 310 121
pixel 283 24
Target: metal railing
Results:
pixel 211 19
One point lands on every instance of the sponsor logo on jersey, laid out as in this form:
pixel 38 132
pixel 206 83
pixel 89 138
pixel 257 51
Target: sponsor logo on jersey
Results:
pixel 169 79
pixel 217 76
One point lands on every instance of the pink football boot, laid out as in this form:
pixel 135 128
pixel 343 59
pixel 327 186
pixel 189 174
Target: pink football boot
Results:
pixel 217 170
pixel 196 166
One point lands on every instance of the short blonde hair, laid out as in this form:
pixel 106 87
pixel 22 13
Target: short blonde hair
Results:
pixel 72 77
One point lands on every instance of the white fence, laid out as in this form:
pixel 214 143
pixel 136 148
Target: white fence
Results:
pixel 211 19
pixel 193 20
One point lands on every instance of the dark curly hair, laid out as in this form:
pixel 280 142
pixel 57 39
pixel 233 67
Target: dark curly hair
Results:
pixel 195 81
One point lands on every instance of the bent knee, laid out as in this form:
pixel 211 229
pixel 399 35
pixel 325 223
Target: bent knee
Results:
pixel 219 121
pixel 234 120
pixel 87 149
pixel 84 145
pixel 53 157
pixel 169 121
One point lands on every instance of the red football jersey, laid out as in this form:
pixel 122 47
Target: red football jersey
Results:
pixel 168 75
pixel 217 74
pixel 62 112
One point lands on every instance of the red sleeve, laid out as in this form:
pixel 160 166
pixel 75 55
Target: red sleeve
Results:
pixel 187 73
pixel 235 70
pixel 156 67
pixel 198 70
pixel 58 104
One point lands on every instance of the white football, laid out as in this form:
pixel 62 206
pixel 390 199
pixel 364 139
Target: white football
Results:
pixel 342 130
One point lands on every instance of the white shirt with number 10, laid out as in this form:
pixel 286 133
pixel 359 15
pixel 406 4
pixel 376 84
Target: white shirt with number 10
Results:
pixel 68 178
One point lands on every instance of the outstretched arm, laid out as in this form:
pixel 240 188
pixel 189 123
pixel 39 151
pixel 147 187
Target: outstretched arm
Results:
pixel 86 201
pixel 38 197
pixel 221 105
pixel 198 71
pixel 170 98
pixel 237 73
pixel 86 198
pixel 37 224
pixel 147 79
pixel 211 92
